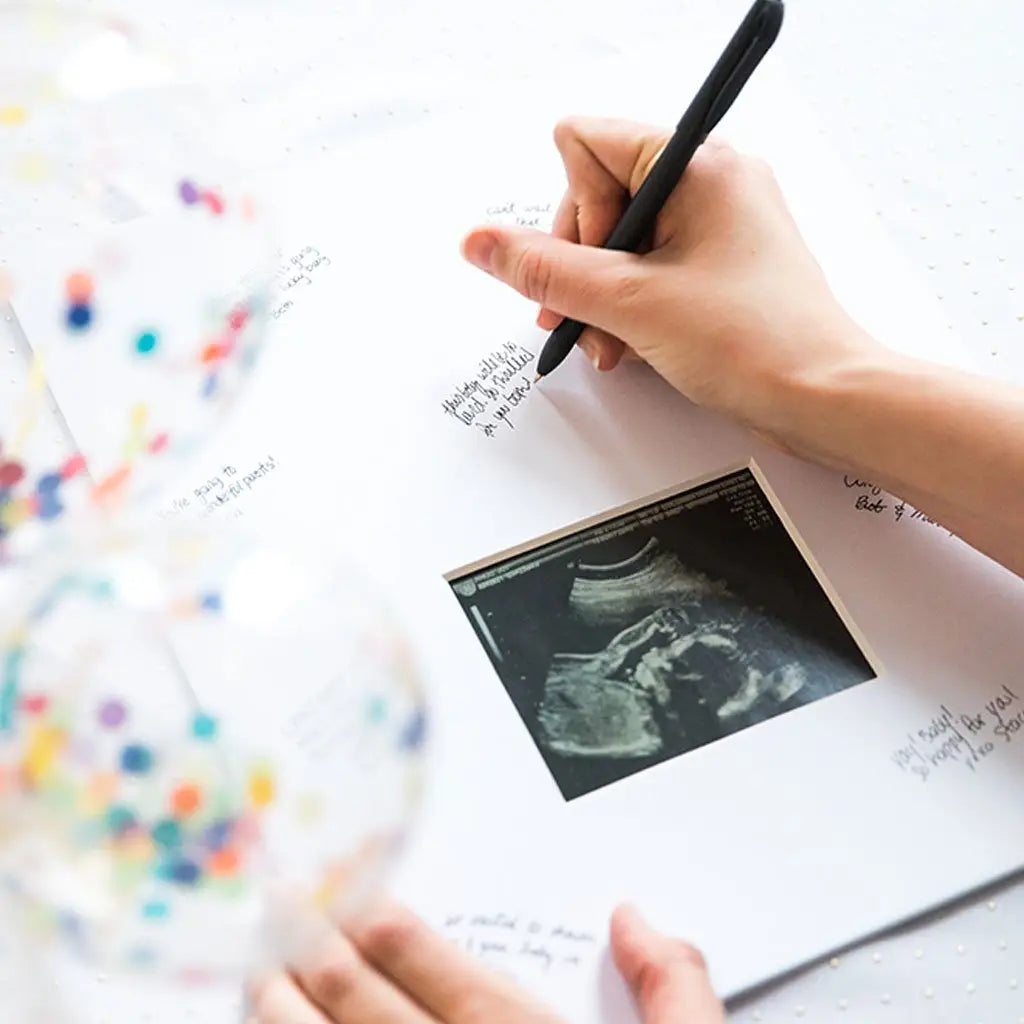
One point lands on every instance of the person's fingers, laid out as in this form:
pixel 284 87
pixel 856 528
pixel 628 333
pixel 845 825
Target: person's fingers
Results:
pixel 564 226
pixel 548 321
pixel 344 987
pixel 606 161
pixel 668 978
pixel 451 985
pixel 598 286
pixel 603 350
pixel 276 999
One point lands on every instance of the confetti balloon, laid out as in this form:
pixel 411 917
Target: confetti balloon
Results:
pixel 191 725
pixel 133 270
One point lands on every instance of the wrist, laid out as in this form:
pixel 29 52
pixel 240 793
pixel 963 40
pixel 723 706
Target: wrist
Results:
pixel 828 411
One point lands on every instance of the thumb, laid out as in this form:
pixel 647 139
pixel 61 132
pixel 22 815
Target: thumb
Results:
pixel 668 978
pixel 597 286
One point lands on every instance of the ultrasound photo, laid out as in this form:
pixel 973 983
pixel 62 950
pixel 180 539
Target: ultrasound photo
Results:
pixel 638 638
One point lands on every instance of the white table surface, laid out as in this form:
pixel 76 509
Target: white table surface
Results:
pixel 923 98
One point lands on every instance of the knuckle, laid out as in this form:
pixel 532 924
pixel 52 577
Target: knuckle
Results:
pixel 333 983
pixel 655 973
pixel 565 131
pixel 390 936
pixel 628 288
pixel 689 955
pixel 650 977
pixel 532 274
pixel 719 163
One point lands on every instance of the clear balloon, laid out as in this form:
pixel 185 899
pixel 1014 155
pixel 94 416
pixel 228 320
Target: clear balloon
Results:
pixel 134 269
pixel 194 726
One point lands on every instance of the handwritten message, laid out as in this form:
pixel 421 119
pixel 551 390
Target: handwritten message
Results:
pixel 294 274
pixel 871 499
pixel 515 943
pixel 221 490
pixel 961 740
pixel 524 215
pixel 487 399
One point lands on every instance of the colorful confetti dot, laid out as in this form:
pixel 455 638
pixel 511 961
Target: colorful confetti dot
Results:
pixel 247 830
pixel 73 466
pixel 112 484
pixel 167 834
pixel 13 114
pixel 155 910
pixel 184 872
pixel 11 473
pixel 188 192
pixel 211 602
pixel 17 511
pixel 49 507
pixel 138 416
pixel 146 343
pixel 137 846
pixel 214 203
pixel 204 726
pixel 238 318
pixel 209 388
pixel 261 787
pixel 35 703
pixel 377 710
pixel 48 483
pixel 157 443
pixel 44 746
pixel 186 799
pixel 217 835
pixel 100 791
pixel 112 713
pixel 120 819
pixel 79 316
pixel 212 352
pixel 415 732
pixel 223 863
pixel 79 287
pixel 136 759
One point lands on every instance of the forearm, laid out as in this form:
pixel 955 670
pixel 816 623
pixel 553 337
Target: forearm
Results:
pixel 950 443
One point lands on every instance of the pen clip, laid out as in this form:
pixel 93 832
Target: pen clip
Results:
pixel 771 22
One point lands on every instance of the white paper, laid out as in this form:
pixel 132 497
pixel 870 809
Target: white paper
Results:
pixel 767 848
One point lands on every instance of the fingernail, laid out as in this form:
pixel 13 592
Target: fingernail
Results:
pixel 479 250
pixel 592 351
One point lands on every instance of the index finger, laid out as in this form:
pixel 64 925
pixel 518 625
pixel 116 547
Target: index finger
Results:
pixel 452 986
pixel 606 161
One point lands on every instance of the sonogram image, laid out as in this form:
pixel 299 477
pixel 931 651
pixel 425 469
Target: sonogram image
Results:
pixel 658 630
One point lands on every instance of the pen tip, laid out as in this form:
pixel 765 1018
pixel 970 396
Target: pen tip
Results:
pixel 540 376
